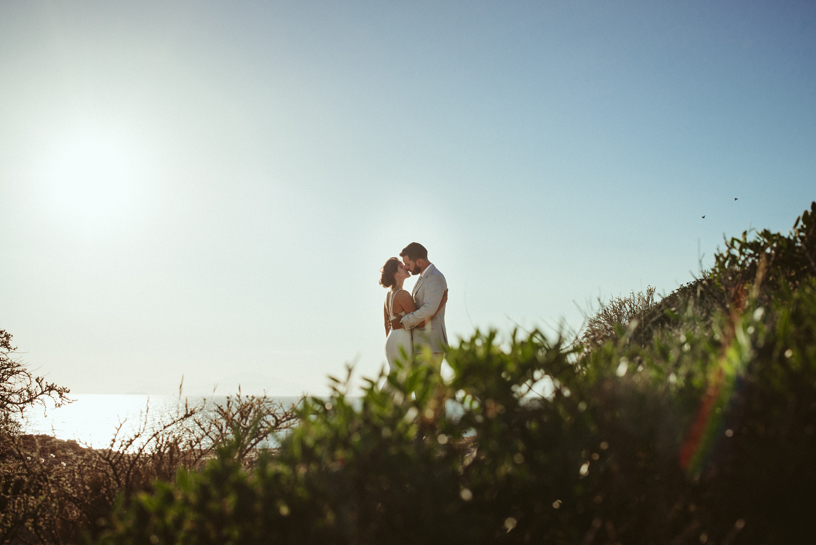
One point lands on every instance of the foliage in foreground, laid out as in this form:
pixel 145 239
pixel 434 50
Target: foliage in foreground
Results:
pixel 694 435
pixel 688 421
pixel 52 491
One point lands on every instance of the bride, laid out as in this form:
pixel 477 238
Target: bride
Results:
pixel 398 303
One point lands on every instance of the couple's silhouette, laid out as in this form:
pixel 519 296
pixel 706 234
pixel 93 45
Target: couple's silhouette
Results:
pixel 414 323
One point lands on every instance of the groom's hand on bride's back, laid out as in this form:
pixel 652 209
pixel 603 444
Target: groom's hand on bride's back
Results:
pixel 396 323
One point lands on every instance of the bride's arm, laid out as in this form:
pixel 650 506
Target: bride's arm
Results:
pixel 387 323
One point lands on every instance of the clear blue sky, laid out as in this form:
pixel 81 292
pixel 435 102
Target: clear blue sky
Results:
pixel 209 189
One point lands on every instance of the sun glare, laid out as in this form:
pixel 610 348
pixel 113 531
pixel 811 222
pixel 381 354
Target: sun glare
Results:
pixel 93 183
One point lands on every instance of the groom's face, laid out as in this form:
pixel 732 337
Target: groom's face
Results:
pixel 411 265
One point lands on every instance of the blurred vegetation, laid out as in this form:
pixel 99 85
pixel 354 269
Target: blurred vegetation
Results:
pixel 682 421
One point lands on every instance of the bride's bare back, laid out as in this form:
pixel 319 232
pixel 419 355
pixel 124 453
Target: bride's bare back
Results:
pixel 404 303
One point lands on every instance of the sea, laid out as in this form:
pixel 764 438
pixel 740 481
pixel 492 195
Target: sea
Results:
pixel 98 420
pixel 102 421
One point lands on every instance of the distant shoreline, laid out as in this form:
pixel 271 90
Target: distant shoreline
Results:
pixel 92 419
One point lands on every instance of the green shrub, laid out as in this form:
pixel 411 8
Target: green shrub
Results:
pixel 756 266
pixel 694 426
pixel 691 439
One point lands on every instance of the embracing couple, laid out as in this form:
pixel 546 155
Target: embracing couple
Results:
pixel 414 323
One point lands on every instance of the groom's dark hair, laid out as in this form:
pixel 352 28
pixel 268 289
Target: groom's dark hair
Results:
pixel 414 251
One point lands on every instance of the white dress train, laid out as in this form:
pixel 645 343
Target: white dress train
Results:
pixel 399 340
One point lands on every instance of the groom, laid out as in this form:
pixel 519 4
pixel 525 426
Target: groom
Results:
pixel 428 293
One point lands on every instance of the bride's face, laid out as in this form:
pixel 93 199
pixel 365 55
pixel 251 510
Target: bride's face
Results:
pixel 402 273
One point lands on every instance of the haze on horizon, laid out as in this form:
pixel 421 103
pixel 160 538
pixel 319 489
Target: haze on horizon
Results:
pixel 209 189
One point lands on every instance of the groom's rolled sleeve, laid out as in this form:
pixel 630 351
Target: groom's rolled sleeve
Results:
pixel 434 290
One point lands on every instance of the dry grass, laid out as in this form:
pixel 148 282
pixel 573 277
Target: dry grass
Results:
pixel 618 315
pixel 52 490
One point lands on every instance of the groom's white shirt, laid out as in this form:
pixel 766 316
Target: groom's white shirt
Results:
pixel 427 294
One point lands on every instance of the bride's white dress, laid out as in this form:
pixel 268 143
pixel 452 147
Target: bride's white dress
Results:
pixel 399 340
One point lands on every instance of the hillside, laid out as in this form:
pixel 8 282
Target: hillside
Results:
pixel 686 420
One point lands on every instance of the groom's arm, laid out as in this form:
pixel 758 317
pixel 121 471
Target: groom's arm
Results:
pixel 434 291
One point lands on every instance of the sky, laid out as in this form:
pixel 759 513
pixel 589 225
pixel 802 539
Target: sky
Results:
pixel 209 189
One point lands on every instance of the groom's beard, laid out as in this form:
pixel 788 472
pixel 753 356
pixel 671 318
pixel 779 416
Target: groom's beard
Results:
pixel 416 270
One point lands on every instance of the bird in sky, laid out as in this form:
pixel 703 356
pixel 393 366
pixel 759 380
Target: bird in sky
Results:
pixel 703 217
pixel 735 198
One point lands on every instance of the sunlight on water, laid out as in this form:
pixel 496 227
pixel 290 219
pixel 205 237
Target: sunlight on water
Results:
pixel 92 419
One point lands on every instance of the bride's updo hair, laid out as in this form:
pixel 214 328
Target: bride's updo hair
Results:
pixel 388 271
